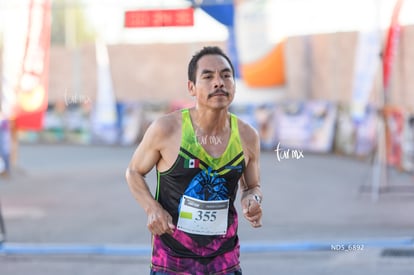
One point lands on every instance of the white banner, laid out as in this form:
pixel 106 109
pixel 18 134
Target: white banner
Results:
pixel 104 116
pixel 367 61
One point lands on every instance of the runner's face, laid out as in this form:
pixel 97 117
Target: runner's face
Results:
pixel 214 86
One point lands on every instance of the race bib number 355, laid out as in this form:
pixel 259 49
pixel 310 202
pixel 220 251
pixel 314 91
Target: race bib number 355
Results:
pixel 203 217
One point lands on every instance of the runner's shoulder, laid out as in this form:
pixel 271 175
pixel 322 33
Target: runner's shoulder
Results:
pixel 167 124
pixel 247 132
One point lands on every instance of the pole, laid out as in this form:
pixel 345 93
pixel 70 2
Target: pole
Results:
pixel 14 144
pixel 388 56
pixel 379 171
pixel 2 228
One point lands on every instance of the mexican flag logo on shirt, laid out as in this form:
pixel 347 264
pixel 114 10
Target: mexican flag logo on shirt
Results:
pixel 191 163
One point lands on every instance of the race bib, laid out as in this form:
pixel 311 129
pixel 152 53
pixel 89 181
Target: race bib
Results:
pixel 203 217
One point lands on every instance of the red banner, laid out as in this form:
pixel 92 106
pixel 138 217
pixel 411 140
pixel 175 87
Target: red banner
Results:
pixel 159 18
pixel 33 81
pixel 391 45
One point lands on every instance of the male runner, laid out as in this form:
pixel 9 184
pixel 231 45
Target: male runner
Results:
pixel 202 155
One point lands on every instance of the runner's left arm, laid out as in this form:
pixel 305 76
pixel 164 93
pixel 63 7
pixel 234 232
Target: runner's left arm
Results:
pixel 250 182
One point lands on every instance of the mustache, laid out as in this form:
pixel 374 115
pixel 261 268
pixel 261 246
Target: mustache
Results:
pixel 219 91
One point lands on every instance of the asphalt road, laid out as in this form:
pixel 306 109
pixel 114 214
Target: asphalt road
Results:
pixel 68 210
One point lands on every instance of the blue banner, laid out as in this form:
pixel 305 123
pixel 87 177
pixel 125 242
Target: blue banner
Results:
pixel 223 12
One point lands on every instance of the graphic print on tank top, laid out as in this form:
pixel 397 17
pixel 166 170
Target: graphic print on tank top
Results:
pixel 207 186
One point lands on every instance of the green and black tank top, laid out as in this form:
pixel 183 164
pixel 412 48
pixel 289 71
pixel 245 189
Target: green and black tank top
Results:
pixel 198 175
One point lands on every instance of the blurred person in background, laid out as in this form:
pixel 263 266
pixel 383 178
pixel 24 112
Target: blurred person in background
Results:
pixel 202 156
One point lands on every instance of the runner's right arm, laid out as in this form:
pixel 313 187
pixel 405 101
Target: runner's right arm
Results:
pixel 143 161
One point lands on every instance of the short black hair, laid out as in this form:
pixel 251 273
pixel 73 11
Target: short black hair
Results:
pixel 209 50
